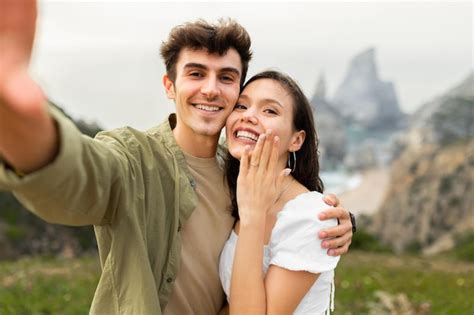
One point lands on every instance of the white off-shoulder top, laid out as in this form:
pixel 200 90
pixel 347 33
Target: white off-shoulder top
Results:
pixel 294 245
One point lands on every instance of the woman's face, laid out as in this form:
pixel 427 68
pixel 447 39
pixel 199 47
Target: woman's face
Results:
pixel 264 104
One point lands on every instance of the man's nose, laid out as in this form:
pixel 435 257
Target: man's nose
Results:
pixel 211 88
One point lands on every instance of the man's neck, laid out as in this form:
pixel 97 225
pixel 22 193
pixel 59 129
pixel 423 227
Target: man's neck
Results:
pixel 194 144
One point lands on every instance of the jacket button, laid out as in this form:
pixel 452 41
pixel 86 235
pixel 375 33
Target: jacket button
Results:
pixel 169 280
pixel 193 183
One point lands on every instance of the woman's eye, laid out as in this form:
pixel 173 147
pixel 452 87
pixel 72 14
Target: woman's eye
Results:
pixel 240 106
pixel 270 111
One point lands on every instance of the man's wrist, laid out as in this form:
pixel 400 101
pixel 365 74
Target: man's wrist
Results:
pixel 10 167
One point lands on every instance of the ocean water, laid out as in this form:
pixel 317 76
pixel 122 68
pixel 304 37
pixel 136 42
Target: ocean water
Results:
pixel 337 182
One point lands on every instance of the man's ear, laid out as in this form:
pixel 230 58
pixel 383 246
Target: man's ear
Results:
pixel 169 87
pixel 297 140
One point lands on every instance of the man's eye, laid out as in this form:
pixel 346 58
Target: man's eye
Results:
pixel 227 78
pixel 196 74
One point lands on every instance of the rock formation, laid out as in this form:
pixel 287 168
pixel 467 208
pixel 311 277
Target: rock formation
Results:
pixel 431 199
pixel 330 126
pixel 364 99
pixel 447 118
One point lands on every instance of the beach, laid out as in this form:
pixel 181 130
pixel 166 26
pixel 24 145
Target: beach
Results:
pixel 368 195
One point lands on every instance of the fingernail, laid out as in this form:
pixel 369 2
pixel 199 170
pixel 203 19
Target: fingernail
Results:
pixel 324 244
pixel 323 235
pixel 329 200
pixel 331 252
pixel 322 216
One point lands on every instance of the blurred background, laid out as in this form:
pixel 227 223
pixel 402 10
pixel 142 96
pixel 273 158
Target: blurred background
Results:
pixel 392 88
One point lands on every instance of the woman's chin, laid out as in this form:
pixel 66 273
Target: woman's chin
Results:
pixel 237 150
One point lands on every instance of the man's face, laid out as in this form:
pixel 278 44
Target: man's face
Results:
pixel 205 90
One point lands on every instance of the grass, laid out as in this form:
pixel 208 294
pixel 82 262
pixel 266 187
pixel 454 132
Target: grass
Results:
pixel 37 286
pixel 441 285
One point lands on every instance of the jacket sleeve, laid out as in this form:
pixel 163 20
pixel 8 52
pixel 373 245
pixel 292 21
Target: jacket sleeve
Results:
pixel 82 186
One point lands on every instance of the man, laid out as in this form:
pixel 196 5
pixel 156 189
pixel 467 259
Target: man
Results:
pixel 157 199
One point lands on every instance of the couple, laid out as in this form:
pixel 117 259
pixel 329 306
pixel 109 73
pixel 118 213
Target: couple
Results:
pixel 158 199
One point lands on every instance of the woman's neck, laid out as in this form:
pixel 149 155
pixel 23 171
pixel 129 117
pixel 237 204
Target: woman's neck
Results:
pixel 291 188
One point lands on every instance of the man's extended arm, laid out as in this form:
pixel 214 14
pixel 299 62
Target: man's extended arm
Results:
pixel 68 178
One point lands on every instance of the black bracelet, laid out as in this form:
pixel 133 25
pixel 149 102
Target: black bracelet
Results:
pixel 353 222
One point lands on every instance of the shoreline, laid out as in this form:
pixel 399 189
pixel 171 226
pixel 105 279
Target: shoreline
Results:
pixel 368 195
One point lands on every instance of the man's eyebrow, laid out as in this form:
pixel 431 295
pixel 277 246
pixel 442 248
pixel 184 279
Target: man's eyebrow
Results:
pixel 230 69
pixel 203 67
pixel 195 65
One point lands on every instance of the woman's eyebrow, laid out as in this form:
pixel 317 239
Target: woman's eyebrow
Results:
pixel 271 100
pixel 264 101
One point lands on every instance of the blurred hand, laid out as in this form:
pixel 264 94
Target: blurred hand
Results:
pixel 17 29
pixel 27 133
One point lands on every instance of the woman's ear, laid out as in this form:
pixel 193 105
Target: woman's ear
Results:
pixel 169 87
pixel 297 141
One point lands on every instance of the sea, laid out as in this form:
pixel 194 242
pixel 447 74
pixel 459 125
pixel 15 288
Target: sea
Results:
pixel 339 181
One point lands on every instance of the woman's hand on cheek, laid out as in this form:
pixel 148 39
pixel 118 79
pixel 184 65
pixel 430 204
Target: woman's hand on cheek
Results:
pixel 259 183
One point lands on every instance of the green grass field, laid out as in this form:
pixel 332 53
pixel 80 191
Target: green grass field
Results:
pixel 425 286
pixel 431 285
pixel 48 285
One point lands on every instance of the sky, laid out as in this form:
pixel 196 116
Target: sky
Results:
pixel 100 59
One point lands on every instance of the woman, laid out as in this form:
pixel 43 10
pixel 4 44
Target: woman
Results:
pixel 272 127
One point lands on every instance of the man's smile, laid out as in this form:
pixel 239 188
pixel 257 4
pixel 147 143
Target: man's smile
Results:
pixel 208 108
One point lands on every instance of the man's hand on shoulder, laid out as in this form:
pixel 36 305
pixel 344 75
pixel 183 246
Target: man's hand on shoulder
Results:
pixel 337 239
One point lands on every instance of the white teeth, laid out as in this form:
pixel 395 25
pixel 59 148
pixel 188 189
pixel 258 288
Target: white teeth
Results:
pixel 247 135
pixel 207 108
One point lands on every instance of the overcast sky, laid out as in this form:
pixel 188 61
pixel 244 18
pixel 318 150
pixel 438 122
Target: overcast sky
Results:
pixel 100 61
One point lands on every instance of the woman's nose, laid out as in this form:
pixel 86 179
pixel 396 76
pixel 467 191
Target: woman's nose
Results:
pixel 249 116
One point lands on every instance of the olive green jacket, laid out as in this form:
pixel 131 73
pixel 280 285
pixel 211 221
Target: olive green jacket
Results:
pixel 136 189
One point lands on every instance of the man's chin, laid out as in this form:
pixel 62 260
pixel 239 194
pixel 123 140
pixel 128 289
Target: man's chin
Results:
pixel 209 131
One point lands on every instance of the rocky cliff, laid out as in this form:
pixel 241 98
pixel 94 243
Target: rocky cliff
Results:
pixel 364 99
pixel 446 118
pixel 330 126
pixel 431 198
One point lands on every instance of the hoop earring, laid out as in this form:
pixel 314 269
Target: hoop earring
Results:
pixel 293 168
